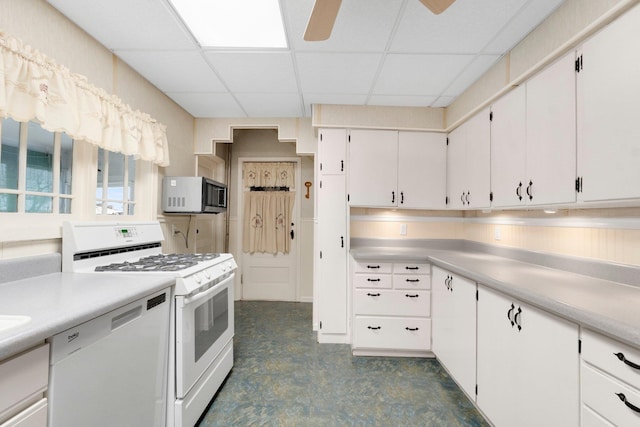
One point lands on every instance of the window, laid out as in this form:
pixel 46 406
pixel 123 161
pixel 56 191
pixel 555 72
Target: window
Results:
pixel 115 190
pixel 35 169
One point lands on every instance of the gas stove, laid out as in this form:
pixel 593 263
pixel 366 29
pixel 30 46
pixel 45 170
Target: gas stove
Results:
pixel 136 248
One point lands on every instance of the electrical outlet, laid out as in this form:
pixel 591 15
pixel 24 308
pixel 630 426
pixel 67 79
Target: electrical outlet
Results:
pixel 403 229
pixel 497 233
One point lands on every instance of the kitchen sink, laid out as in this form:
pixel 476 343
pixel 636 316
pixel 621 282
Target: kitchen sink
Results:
pixel 8 321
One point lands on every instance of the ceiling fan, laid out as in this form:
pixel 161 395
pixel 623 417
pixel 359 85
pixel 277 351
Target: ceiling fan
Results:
pixel 324 13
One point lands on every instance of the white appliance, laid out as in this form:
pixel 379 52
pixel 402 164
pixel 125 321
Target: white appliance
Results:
pixel 111 371
pixel 201 333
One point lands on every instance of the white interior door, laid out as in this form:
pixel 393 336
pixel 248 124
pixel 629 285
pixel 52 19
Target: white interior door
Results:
pixel 267 276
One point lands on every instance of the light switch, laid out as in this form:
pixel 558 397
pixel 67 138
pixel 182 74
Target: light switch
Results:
pixel 403 229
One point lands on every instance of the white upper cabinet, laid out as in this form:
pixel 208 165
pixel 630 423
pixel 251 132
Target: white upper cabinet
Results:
pixel 397 169
pixel 551 134
pixel 332 151
pixel 468 163
pixel 422 170
pixel 373 168
pixel 608 112
pixel 508 149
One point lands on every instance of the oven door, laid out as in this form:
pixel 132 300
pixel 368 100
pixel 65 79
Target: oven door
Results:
pixel 204 325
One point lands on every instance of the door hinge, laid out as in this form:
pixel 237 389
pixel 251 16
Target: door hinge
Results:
pixel 321 164
pixel 446 200
pixel 321 324
pixel 579 65
pixel 320 136
pixel 348 198
pixel 321 184
pixel 491 116
pixel 491 196
pixel 579 346
pixel 320 254
pixel 349 138
pixel 241 279
pixel 476 389
pixel 579 184
pixel 477 295
pixel 447 141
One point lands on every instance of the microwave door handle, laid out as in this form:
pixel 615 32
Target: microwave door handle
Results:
pixel 207 293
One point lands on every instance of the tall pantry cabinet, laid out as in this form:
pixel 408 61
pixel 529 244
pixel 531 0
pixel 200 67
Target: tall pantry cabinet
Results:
pixel 331 238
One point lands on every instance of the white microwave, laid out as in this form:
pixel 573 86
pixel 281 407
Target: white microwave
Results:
pixel 193 195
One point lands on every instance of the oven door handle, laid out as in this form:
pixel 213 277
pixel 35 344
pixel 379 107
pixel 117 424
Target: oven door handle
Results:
pixel 188 300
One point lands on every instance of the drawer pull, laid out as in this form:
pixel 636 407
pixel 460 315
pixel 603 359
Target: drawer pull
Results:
pixel 373 266
pixel 411 329
pixel 373 280
pixel 373 295
pixel 411 268
pixel 412 296
pixel 374 328
pixel 626 402
pixel 413 280
pixel 621 357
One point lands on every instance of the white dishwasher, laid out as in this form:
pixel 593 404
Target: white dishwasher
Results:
pixel 112 370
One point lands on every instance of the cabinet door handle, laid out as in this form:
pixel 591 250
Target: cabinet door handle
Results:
pixel 374 328
pixel 341 165
pixel 631 406
pixel 373 295
pixel 412 296
pixel 467 197
pixel 519 191
pixel 530 190
pixel 509 313
pixel 447 282
pixel 342 241
pixel 462 198
pixel 411 268
pixel 373 280
pixel 402 197
pixel 517 318
pixel 621 357
pixel 373 266
pixel 393 197
pixel 411 329
pixel 413 280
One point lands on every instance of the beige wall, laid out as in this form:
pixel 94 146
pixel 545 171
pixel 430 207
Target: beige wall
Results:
pixel 38 24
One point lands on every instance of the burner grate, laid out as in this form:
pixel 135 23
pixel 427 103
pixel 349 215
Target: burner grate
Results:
pixel 159 262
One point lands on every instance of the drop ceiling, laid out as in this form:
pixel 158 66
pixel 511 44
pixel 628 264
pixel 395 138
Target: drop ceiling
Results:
pixel 381 52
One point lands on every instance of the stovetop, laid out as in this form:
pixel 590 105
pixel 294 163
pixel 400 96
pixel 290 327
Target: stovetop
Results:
pixel 159 262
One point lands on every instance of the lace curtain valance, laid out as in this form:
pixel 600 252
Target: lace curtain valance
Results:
pixel 268 174
pixel 33 86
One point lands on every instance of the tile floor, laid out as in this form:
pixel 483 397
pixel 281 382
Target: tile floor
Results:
pixel 283 377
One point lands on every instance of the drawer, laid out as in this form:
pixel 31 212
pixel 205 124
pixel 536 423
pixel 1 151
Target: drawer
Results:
pixel 396 333
pixel 409 268
pixel 23 376
pixel 411 281
pixel 601 351
pixel 376 281
pixel 392 303
pixel 600 393
pixel 373 267
pixel 591 419
pixel 34 416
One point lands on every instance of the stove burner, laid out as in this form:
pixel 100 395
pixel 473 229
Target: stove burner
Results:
pixel 160 262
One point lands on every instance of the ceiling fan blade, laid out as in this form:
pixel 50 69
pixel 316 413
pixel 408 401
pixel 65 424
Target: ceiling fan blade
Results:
pixel 437 6
pixel 321 21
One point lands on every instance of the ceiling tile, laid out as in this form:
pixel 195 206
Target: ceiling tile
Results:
pixel 337 72
pixel 470 74
pixel 522 24
pixel 332 98
pixel 402 100
pixel 419 74
pixel 174 71
pixel 126 24
pixel 255 71
pixel 361 26
pixel 208 104
pixel 465 27
pixel 271 104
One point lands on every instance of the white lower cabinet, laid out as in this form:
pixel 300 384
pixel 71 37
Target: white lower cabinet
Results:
pixel 527 364
pixel 610 382
pixel 453 318
pixel 391 308
pixel 23 381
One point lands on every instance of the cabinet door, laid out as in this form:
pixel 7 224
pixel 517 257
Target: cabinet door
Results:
pixel 551 134
pixel 422 163
pixel 453 323
pixel 478 160
pixel 608 105
pixel 508 149
pixel 332 151
pixel 332 262
pixel 456 167
pixel 373 168
pixel 528 364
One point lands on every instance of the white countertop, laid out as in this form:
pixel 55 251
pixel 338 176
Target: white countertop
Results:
pixel 604 306
pixel 56 302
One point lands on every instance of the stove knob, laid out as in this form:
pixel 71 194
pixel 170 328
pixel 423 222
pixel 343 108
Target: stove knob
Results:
pixel 197 278
pixel 207 274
